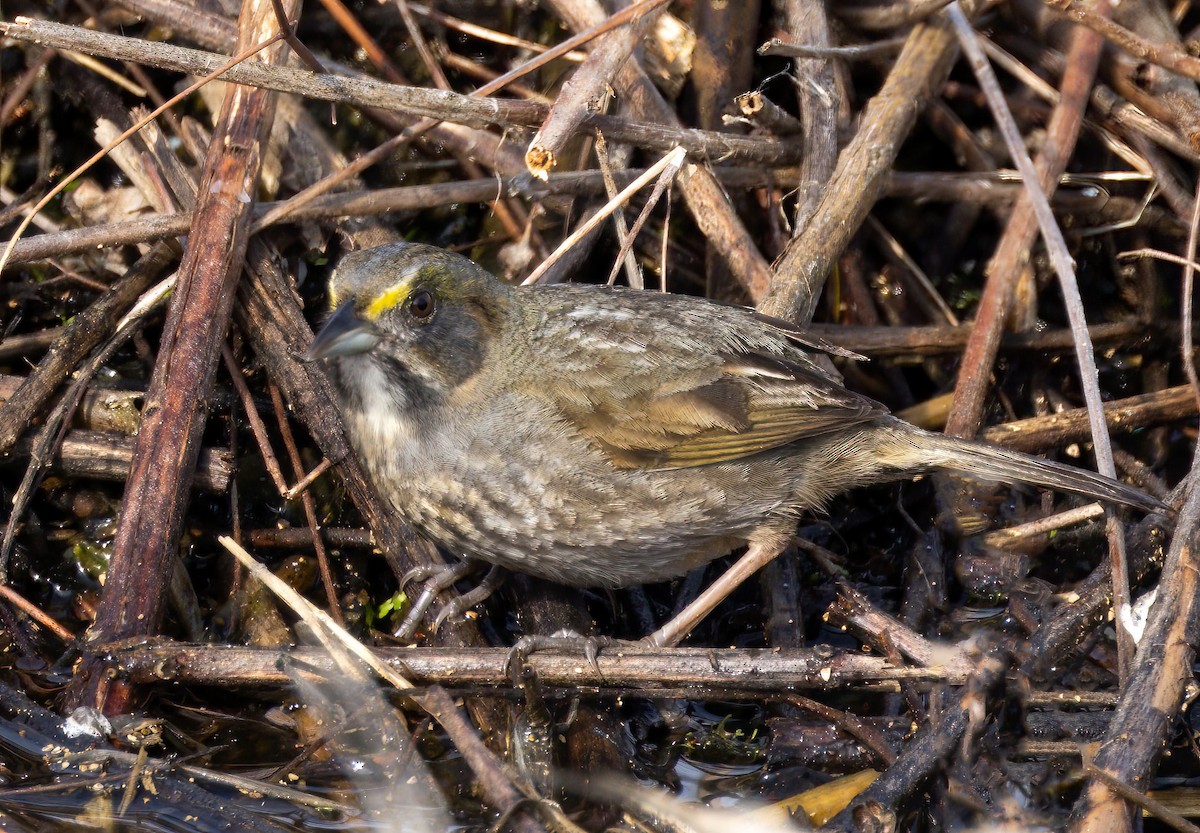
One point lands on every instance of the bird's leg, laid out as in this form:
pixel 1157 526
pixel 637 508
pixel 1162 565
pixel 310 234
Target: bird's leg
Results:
pixel 674 631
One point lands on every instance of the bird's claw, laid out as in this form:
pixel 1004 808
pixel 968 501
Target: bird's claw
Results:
pixel 438 580
pixel 562 640
pixel 476 595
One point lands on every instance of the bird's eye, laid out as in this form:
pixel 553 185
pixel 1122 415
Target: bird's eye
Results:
pixel 420 305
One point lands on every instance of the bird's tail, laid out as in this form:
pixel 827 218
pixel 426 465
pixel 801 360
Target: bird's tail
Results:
pixel 994 463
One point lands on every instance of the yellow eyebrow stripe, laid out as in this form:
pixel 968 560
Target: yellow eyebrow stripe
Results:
pixel 387 299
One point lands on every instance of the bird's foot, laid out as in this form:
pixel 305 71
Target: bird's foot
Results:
pixel 478 594
pixel 439 577
pixel 565 640
pixel 438 580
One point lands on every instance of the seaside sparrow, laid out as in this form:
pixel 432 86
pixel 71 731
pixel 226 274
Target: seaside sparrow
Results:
pixel 610 437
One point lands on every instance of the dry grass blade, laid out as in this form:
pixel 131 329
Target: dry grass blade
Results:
pixel 333 637
pixel 670 162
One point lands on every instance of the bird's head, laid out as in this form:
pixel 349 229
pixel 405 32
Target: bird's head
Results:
pixel 415 319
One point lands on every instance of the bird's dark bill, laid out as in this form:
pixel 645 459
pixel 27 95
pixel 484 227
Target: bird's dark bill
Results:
pixel 344 334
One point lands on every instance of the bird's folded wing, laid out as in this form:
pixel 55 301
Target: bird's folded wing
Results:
pixel 755 402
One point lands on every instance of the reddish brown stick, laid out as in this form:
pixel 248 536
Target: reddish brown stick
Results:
pixel 173 419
